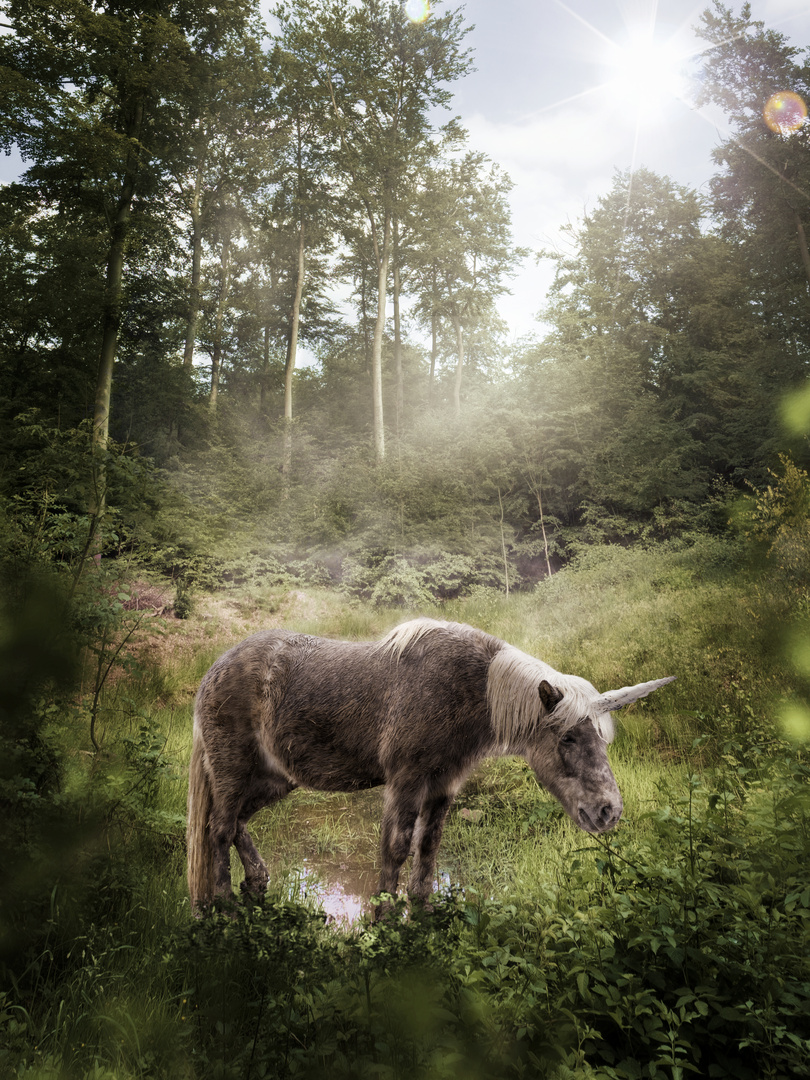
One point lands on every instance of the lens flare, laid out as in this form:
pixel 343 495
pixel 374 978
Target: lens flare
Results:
pixel 417 10
pixel 785 112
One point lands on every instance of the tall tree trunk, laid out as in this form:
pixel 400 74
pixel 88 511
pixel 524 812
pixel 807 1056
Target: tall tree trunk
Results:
pixel 399 400
pixel 535 485
pixel 265 382
pixel 111 325
pixel 265 371
pixel 219 320
pixel 379 326
pixel 434 334
pixel 434 328
pixel 195 291
pixel 289 366
pixel 802 243
pixel 364 320
pixel 459 362
pixel 503 547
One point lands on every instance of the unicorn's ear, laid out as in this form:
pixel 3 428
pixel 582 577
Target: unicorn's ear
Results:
pixel 617 699
pixel 549 695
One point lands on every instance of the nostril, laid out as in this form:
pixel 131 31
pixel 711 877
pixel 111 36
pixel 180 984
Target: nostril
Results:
pixel 607 813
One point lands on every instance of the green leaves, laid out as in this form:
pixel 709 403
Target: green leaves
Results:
pixel 662 371
pixel 690 964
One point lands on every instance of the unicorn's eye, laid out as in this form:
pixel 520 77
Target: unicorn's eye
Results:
pixel 568 740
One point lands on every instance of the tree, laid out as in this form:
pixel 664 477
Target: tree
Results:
pixel 762 193
pixel 662 358
pixel 226 137
pixel 96 90
pixel 462 248
pixel 304 215
pixel 380 75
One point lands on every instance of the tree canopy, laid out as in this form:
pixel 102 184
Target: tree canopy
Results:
pixel 203 198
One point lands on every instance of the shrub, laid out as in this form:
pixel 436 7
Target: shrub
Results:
pixel 421 578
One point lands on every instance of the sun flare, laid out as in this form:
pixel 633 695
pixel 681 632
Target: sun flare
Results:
pixel 647 74
pixel 785 113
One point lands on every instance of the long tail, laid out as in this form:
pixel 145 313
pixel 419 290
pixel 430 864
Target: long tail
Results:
pixel 198 837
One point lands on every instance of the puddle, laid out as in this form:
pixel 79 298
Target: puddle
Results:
pixel 326 847
pixel 343 907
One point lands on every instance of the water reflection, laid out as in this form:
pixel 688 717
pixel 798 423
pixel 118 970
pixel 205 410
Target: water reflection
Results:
pixel 331 888
pixel 342 906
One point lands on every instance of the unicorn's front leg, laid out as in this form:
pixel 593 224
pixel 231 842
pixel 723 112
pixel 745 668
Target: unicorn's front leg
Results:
pixel 430 826
pixel 396 833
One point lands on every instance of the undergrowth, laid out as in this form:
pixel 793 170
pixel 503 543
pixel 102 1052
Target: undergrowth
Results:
pixel 676 945
pixel 675 950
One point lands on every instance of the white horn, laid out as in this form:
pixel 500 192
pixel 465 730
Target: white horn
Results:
pixel 617 699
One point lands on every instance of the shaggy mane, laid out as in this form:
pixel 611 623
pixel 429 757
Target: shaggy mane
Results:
pixel 512 685
pixel 407 634
pixel 514 701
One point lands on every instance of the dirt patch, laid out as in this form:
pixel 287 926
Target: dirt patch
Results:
pixel 155 599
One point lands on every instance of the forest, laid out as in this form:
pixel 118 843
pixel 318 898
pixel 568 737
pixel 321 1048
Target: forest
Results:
pixel 253 374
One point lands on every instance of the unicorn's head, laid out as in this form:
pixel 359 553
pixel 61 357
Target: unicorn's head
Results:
pixel 562 726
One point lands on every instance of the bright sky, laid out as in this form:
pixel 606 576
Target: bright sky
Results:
pixel 551 107
pixel 557 102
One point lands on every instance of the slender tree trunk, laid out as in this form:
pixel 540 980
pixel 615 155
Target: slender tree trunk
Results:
pixel 399 400
pixel 538 494
pixel 289 366
pixel 112 313
pixel 379 327
pixel 265 371
pixel 364 321
pixel 459 362
pixel 195 291
pixel 268 326
pixel 802 244
pixel 434 333
pixel 111 325
pixel 503 547
pixel 219 321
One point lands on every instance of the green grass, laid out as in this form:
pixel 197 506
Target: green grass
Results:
pixel 112 979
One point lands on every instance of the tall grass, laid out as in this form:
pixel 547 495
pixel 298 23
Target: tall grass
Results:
pixel 624 616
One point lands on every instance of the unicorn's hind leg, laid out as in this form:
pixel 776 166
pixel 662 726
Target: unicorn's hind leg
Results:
pixel 232 808
pixel 223 834
pixel 264 792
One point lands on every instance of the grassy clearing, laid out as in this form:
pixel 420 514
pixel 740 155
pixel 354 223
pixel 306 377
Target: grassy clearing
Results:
pixel 675 943
pixel 622 617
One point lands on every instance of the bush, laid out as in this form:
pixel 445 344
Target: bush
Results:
pixel 682 948
pixel 421 578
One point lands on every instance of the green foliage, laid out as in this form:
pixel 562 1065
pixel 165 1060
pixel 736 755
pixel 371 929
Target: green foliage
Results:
pixel 418 580
pixel 779 518
pixel 183 601
pixel 674 333
pixel 675 945
pixel 49 479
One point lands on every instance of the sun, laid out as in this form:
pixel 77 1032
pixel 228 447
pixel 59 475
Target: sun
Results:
pixel 647 74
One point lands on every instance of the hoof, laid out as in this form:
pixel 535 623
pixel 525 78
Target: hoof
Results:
pixel 253 889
